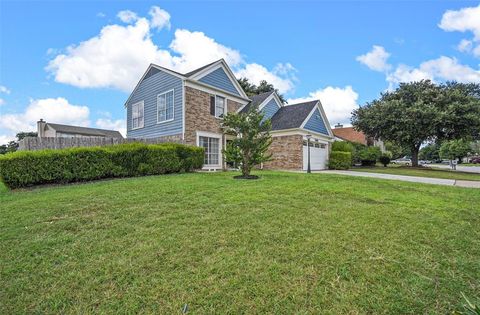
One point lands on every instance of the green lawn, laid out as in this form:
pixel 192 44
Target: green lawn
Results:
pixel 287 243
pixel 419 171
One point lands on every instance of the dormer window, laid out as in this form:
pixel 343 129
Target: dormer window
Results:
pixel 217 106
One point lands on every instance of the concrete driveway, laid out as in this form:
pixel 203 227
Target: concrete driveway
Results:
pixel 414 179
pixel 468 169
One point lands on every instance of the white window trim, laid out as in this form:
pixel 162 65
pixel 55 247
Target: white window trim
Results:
pixel 173 107
pixel 220 148
pixel 225 110
pixel 143 105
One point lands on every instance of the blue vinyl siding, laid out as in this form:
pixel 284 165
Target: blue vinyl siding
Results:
pixel 270 109
pixel 219 79
pixel 316 123
pixel 147 92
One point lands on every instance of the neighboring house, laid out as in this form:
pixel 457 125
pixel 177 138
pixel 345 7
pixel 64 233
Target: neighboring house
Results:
pixel 189 107
pixel 50 130
pixel 349 134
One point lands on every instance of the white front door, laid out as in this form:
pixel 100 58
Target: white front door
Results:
pixel 318 155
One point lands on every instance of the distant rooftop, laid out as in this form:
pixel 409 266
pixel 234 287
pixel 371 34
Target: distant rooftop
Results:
pixel 85 130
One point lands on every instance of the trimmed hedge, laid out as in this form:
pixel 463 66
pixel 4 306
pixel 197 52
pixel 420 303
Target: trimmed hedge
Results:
pixel 340 160
pixel 28 168
pixel 342 146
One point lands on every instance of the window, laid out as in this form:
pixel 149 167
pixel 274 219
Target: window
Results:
pixel 137 115
pixel 217 105
pixel 212 150
pixel 165 106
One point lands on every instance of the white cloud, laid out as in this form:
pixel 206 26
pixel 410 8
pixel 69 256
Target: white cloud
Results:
pixel 107 123
pixel 2 101
pixel 256 73
pixel 103 61
pixel 4 139
pixel 464 20
pixel 404 73
pixel 465 45
pixel 337 102
pixel 57 110
pixel 101 15
pixel 376 59
pixel 106 61
pixel 4 89
pixel 159 18
pixel 442 68
pixel 127 16
pixel 195 49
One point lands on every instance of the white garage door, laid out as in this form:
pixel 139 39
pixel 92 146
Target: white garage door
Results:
pixel 318 155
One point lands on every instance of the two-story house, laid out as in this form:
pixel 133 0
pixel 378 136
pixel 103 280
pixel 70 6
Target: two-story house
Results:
pixel 188 108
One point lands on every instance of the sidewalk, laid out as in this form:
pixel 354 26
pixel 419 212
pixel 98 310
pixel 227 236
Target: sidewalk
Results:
pixel 414 179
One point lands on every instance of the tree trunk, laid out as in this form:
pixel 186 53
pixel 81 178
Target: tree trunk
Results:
pixel 415 151
pixel 246 164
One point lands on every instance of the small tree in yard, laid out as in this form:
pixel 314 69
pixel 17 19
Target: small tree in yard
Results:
pixel 455 149
pixel 251 142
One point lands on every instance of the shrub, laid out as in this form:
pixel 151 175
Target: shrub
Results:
pixel 342 146
pixel 27 168
pixel 369 156
pixel 340 160
pixel 385 158
pixel 357 148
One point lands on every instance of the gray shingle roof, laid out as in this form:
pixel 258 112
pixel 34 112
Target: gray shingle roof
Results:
pixel 292 116
pixel 85 131
pixel 256 101
pixel 189 74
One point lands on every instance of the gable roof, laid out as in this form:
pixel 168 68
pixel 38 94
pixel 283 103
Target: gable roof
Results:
pixel 85 131
pixel 193 75
pixel 350 134
pixel 292 116
pixel 256 100
pixel 199 73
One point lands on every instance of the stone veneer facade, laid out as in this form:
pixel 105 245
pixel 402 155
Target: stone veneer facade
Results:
pixel 287 153
pixel 197 114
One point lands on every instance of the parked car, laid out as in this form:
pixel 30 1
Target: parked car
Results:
pixel 402 161
pixel 475 160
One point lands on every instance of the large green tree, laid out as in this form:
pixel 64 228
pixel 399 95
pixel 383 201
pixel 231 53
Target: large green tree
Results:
pixel 420 112
pixel 252 89
pixel 250 139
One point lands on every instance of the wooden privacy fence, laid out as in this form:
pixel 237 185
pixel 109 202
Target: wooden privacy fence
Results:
pixel 34 143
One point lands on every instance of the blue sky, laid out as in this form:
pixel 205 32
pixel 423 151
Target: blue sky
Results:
pixel 75 62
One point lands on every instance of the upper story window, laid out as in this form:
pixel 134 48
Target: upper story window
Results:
pixel 165 106
pixel 137 115
pixel 217 106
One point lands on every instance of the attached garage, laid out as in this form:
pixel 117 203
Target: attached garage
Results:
pixel 291 125
pixel 318 155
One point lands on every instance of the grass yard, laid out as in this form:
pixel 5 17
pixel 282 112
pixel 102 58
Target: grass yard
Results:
pixel 287 243
pixel 419 171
